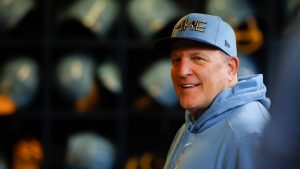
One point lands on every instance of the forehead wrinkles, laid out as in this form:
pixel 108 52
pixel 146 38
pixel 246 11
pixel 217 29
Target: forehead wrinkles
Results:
pixel 185 52
pixel 194 51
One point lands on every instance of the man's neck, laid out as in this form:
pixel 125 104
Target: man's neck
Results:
pixel 195 114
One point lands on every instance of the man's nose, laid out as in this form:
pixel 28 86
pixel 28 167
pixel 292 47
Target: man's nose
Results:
pixel 184 68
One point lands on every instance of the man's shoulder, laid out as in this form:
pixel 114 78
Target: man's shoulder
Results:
pixel 248 119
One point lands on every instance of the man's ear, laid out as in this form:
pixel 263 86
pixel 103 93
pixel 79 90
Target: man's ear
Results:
pixel 233 66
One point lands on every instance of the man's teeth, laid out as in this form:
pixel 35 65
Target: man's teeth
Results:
pixel 187 86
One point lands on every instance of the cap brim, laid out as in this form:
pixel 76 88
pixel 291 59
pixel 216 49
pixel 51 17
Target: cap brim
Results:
pixel 164 45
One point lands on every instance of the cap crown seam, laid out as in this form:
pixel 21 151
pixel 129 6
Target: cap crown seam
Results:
pixel 216 38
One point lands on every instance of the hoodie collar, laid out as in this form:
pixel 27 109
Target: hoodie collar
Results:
pixel 248 89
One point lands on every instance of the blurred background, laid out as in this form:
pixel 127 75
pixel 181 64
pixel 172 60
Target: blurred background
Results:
pixel 82 88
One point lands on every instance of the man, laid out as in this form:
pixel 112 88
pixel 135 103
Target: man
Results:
pixel 225 116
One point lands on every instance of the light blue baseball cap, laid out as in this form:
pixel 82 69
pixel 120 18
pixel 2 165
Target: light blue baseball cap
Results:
pixel 202 28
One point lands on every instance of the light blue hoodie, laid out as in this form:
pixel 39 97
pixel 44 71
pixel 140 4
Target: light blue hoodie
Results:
pixel 228 134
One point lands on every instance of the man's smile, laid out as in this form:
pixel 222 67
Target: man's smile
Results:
pixel 185 86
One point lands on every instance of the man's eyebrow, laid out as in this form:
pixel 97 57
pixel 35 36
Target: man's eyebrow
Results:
pixel 197 53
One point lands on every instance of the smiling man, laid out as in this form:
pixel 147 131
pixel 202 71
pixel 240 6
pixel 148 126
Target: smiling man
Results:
pixel 225 115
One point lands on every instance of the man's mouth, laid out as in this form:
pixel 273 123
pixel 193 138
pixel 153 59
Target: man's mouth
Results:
pixel 189 86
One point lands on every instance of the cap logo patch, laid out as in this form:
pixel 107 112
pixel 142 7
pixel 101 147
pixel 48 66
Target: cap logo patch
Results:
pixel 227 44
pixel 193 25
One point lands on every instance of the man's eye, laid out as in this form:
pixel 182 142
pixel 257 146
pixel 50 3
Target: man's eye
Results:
pixel 197 58
pixel 175 60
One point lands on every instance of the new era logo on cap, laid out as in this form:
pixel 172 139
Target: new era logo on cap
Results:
pixel 227 44
pixel 202 28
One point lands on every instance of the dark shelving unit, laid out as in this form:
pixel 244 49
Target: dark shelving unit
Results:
pixel 52 121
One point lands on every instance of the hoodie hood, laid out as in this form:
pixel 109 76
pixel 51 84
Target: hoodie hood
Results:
pixel 248 89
